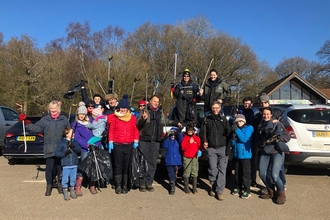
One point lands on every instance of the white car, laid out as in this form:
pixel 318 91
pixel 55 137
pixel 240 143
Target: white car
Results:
pixel 310 135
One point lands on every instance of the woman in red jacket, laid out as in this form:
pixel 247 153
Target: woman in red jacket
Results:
pixel 123 136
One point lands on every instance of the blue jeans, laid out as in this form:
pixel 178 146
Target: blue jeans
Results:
pixel 275 162
pixel 69 173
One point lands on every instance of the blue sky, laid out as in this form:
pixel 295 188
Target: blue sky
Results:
pixel 274 29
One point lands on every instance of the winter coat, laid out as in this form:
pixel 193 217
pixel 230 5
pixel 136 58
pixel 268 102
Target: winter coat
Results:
pixel 108 110
pixel 71 159
pixel 190 149
pixel 98 125
pixel 249 115
pixel 172 156
pixel 82 135
pixel 151 129
pixel 214 90
pixel 242 146
pixel 122 132
pixel 265 131
pixel 217 131
pixel 52 129
pixel 186 95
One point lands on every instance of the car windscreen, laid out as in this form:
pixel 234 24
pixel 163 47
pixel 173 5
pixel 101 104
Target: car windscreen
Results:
pixel 310 116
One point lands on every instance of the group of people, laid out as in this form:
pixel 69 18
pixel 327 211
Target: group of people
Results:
pixel 110 125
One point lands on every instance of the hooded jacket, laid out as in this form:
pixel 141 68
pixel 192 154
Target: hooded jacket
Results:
pixel 172 156
pixel 71 159
pixel 242 147
pixel 81 135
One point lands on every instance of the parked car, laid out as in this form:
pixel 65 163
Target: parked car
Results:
pixel 8 117
pixel 14 146
pixel 309 127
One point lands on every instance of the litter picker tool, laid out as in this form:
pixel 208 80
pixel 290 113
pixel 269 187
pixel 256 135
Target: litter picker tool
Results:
pixel 208 69
pixel 21 107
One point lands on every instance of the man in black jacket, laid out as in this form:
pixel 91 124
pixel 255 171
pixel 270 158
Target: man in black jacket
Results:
pixel 150 127
pixel 214 134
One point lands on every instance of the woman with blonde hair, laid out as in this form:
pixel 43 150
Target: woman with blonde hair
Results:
pixel 52 126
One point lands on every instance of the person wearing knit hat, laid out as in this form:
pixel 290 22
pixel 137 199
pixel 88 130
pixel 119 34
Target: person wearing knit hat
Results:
pixel 82 108
pixel 186 95
pixel 98 125
pixel 123 136
pixel 264 97
pixel 241 142
pixel 141 105
pixel 111 103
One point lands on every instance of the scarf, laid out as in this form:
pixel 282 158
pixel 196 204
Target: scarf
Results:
pixel 54 116
pixel 123 117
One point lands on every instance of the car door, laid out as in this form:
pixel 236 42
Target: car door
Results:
pixel 8 117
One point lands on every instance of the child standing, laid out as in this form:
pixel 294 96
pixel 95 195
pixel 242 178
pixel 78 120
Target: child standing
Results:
pixel 191 147
pixel 242 153
pixel 98 125
pixel 173 160
pixel 67 150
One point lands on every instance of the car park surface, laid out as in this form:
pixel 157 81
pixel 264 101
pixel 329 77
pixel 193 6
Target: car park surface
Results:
pixel 22 197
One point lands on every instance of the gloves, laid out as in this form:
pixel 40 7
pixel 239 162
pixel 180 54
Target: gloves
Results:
pixel 21 117
pixel 71 146
pixel 67 152
pixel 234 137
pixel 135 145
pixel 199 153
pixel 234 127
pixel 83 82
pixel 110 146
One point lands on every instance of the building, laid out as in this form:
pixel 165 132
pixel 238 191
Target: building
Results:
pixel 294 87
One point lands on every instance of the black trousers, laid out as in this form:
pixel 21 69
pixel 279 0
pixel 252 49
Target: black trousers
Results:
pixel 254 163
pixel 243 174
pixel 151 151
pixel 53 168
pixel 122 158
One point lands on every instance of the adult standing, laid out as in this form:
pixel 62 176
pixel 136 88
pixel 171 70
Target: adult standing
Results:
pixel 52 125
pixel 213 89
pixel 141 106
pixel 271 157
pixel 186 94
pixel 214 133
pixel 123 136
pixel 150 126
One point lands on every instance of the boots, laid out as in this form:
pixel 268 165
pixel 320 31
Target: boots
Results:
pixel 92 188
pixel 172 190
pixel 59 187
pixel 48 190
pixel 125 179
pixel 66 195
pixel 186 183
pixel 78 185
pixel 194 185
pixel 72 192
pixel 281 198
pixel 118 179
pixel 269 195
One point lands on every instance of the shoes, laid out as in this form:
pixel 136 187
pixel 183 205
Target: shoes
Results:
pixel 235 192
pixel 254 184
pixel 245 195
pixel 219 196
pixel 150 189
pixel 143 189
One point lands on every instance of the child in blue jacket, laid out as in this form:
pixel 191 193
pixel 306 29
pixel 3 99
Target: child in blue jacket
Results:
pixel 173 159
pixel 67 150
pixel 242 154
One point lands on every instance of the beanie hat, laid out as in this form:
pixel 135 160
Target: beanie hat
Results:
pixel 97 111
pixel 240 117
pixel 173 131
pixel 82 108
pixel 142 102
pixel 123 103
pixel 111 96
pixel 265 97
pixel 186 72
